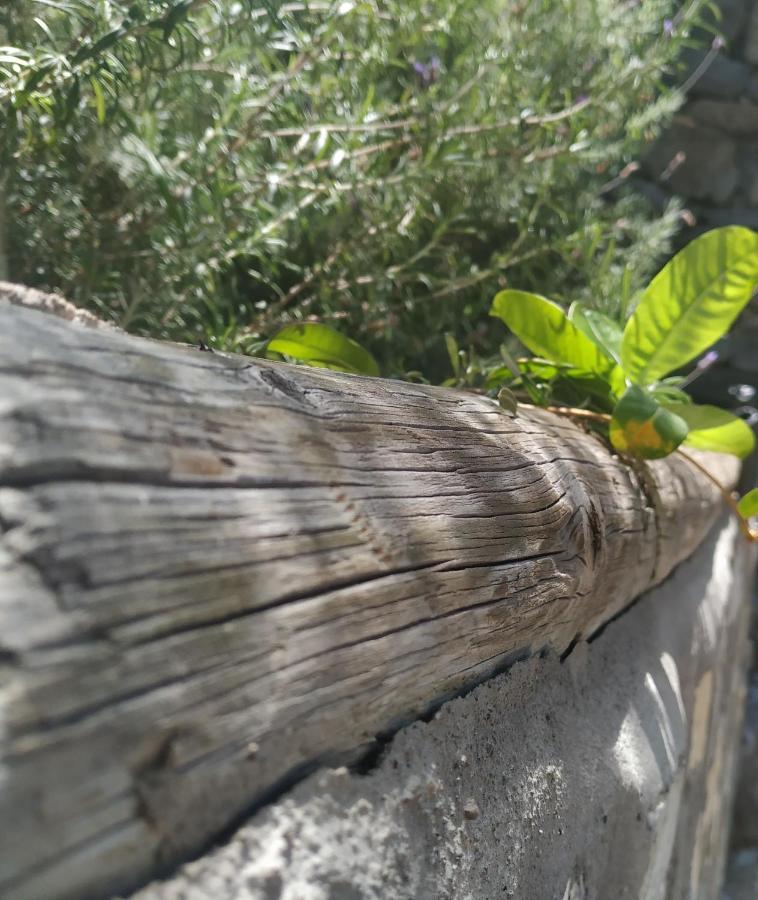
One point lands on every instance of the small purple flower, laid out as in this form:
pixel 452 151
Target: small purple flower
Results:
pixel 668 27
pixel 705 362
pixel 718 43
pixel 428 72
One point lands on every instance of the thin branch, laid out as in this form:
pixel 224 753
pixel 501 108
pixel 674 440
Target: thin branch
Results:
pixel 577 412
pixel 726 494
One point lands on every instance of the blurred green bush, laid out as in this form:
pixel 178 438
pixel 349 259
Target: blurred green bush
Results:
pixel 195 169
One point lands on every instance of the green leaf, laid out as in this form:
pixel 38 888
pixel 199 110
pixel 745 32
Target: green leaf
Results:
pixel 715 429
pixel 748 505
pixel 668 391
pixel 668 395
pixel 321 346
pixel 544 328
pixel 507 400
pixel 570 385
pixel 604 331
pixel 690 303
pixel 97 90
pixel 642 427
pixel 454 353
pixel 495 377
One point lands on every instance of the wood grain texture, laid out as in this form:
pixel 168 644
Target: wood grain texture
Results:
pixel 216 571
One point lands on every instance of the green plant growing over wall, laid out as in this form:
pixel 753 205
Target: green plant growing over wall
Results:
pixel 619 378
pixel 689 305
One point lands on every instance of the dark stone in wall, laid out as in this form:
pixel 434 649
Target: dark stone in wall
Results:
pixel 751 39
pixel 738 118
pixel 724 78
pixel 709 156
pixel 695 162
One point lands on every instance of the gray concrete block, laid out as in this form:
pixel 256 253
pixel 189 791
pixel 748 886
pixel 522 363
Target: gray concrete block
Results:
pixel 605 776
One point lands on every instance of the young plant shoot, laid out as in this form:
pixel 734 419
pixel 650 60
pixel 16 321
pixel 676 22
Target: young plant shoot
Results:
pixel 688 305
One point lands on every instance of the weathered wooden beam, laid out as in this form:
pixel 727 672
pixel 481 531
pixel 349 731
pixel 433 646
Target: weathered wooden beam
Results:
pixel 216 571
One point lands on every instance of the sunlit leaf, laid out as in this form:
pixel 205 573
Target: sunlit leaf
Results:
pixel 690 303
pixel 748 505
pixel 454 353
pixel 99 96
pixel 598 327
pixel 642 427
pixel 544 328
pixel 715 429
pixel 321 346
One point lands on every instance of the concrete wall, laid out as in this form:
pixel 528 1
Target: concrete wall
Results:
pixel 607 775
pixel 742 867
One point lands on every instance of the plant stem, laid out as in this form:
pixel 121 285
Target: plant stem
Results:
pixel 726 494
pixel 572 411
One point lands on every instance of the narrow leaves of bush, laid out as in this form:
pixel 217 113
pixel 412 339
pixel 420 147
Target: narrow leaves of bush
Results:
pixel 690 303
pixel 319 345
pixel 643 427
pixel 715 429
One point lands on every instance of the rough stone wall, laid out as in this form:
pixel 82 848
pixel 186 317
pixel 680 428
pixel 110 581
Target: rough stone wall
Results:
pixel 608 774
pixel 709 156
pixel 742 874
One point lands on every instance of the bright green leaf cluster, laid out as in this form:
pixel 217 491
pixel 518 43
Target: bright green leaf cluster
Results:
pixel 689 304
pixel 321 346
pixel 748 505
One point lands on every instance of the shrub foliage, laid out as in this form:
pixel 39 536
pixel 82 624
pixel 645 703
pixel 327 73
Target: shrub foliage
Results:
pixel 215 168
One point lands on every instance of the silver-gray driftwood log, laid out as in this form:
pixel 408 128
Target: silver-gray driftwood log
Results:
pixel 216 572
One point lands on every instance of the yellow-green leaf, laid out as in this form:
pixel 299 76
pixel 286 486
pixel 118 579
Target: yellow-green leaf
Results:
pixel 97 91
pixel 544 328
pixel 690 303
pixel 642 427
pixel 598 327
pixel 507 400
pixel 748 505
pixel 715 429
pixel 321 346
